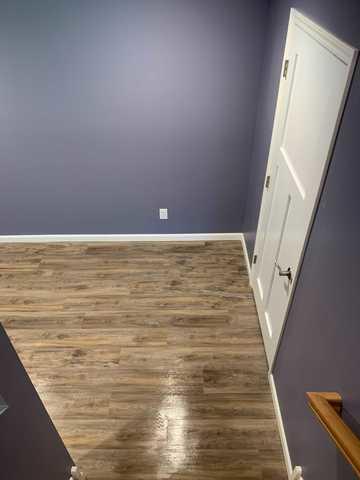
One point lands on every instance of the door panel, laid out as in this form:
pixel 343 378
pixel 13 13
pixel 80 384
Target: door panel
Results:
pixel 312 114
pixel 310 103
pixel 272 237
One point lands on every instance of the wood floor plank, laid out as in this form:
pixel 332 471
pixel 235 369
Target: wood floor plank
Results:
pixel 147 356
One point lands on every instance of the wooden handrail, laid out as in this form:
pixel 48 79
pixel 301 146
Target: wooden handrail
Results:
pixel 327 406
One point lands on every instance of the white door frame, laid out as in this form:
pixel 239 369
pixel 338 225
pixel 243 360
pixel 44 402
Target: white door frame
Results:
pixel 347 55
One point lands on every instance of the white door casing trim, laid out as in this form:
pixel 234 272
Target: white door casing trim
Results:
pixel 246 255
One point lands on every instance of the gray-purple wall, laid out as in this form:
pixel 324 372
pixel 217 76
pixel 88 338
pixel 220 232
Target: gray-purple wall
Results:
pixel 111 109
pixel 320 349
pixel 30 446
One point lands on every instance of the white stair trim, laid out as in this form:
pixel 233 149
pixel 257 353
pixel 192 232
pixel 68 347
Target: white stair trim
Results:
pixel 280 425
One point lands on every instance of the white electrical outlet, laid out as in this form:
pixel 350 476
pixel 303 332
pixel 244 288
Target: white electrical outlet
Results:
pixel 163 213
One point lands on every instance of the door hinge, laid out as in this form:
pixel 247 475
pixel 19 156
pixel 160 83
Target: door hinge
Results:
pixel 267 181
pixel 254 259
pixel 286 67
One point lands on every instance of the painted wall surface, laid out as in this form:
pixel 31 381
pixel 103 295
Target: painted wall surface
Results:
pixel 320 348
pixel 30 447
pixel 112 109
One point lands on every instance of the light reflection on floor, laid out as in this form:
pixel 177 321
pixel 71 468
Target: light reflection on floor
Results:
pixel 176 451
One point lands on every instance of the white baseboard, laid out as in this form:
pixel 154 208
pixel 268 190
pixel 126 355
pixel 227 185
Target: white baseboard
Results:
pixel 176 237
pixel 246 254
pixel 280 425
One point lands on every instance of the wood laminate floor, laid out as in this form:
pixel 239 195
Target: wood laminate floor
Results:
pixel 147 356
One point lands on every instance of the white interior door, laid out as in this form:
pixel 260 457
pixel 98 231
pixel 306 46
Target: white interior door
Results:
pixel 313 87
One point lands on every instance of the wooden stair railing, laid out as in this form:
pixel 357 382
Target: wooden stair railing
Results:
pixel 327 406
